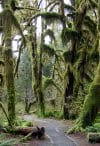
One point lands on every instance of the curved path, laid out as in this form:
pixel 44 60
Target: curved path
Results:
pixel 55 135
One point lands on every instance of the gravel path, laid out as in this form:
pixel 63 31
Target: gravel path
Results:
pixel 55 135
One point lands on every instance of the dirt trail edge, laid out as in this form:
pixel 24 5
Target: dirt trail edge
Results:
pixel 55 135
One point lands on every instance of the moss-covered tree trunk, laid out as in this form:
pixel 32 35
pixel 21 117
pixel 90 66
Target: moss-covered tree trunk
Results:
pixel 91 105
pixel 92 102
pixel 41 101
pixel 37 70
pixel 34 59
pixel 9 64
pixel 70 84
pixel 1 72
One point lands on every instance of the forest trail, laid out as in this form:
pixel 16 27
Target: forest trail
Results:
pixel 55 135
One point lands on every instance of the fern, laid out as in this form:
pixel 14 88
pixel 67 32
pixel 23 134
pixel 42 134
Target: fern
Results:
pixel 10 142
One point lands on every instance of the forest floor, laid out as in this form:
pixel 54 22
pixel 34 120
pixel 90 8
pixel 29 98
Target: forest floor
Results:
pixel 55 134
pixel 80 138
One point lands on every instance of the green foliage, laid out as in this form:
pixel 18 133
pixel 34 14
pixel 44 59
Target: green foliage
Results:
pixel 95 128
pixel 10 142
pixel 23 123
pixel 93 137
pixel 75 107
pixel 24 80
pixel 48 69
pixel 54 114
pixel 97 120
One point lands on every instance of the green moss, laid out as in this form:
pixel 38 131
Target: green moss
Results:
pixel 68 34
pixel 91 24
pixel 49 50
pixel 52 15
pixel 67 56
pixel 91 104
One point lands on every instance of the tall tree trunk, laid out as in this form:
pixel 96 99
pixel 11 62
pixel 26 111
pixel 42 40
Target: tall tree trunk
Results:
pixel 40 91
pixel 9 66
pixel 34 57
pixel 1 72
pixel 92 100
pixel 69 87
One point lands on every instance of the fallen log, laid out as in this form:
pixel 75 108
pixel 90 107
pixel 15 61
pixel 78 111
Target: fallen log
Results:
pixel 33 132
pixel 94 137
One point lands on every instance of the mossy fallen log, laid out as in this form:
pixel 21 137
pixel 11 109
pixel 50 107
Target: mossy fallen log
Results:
pixel 32 132
pixel 94 137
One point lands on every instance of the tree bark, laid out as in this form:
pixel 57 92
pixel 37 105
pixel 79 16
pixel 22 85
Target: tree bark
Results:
pixel 9 65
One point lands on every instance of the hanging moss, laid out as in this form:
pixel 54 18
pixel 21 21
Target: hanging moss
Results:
pixel 1 79
pixel 50 33
pixel 1 62
pixel 49 82
pixel 49 50
pixel 52 16
pixel 93 3
pixel 91 24
pixel 9 14
pixel 68 34
pixel 91 105
pixel 69 7
pixel 67 56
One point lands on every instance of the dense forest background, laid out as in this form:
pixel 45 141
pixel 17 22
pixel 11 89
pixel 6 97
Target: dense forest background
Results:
pixel 50 60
